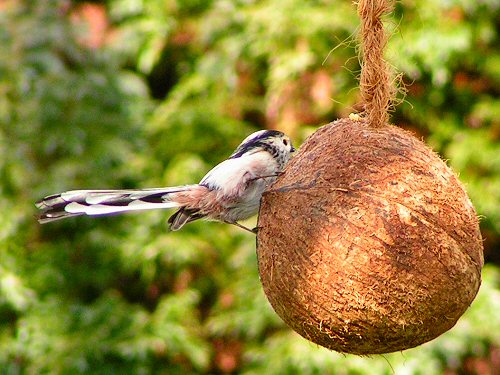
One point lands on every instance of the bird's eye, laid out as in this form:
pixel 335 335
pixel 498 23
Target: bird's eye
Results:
pixel 285 142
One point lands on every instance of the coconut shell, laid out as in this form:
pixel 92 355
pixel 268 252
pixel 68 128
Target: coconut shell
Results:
pixel 368 242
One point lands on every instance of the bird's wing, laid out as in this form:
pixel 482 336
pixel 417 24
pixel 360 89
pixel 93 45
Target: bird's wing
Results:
pixel 232 175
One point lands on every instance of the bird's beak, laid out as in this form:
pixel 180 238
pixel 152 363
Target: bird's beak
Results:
pixel 293 149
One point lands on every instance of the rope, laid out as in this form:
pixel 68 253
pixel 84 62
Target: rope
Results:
pixel 377 90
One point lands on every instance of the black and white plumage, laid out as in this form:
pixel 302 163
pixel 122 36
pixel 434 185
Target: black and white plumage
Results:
pixel 230 192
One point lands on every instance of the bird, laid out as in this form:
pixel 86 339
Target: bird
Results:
pixel 228 193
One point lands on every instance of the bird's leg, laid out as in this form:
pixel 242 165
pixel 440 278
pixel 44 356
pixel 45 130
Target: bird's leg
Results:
pixel 242 227
pixel 272 175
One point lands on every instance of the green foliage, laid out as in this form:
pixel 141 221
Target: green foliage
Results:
pixel 170 90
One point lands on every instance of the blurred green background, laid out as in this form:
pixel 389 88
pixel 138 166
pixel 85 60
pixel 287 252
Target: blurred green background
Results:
pixel 145 93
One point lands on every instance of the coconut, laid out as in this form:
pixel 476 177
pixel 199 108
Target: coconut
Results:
pixel 368 242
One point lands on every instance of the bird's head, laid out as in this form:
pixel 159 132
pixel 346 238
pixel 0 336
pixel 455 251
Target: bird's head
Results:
pixel 275 142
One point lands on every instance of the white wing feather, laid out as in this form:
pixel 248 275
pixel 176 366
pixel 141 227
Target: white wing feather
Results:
pixel 231 176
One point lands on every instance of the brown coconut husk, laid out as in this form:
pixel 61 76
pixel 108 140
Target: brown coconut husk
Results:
pixel 368 242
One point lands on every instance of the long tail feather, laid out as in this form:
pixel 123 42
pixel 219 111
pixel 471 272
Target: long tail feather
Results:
pixel 105 202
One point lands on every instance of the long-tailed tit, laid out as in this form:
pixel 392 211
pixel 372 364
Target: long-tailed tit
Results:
pixel 230 192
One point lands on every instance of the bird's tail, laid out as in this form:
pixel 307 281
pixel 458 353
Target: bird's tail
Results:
pixel 106 202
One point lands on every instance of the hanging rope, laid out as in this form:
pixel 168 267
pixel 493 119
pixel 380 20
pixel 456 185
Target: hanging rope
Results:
pixel 376 83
